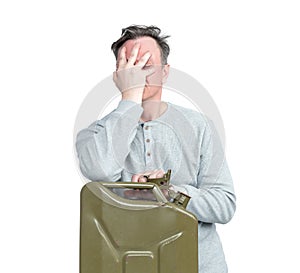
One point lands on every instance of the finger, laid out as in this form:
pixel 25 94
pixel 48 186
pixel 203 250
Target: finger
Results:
pixel 160 174
pixel 133 55
pixel 139 194
pixel 166 194
pixel 135 178
pixel 142 179
pixel 144 59
pixel 147 173
pixel 128 193
pixel 156 174
pixel 132 194
pixel 152 175
pixel 122 60
pixel 147 195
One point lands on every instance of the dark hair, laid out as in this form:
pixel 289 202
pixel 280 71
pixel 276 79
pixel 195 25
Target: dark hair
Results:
pixel 136 31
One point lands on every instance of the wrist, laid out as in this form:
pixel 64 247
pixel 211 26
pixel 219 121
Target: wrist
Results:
pixel 135 95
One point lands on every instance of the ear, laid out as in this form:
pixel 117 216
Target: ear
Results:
pixel 165 75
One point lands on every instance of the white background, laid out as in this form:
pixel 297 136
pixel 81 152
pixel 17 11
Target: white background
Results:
pixel 245 53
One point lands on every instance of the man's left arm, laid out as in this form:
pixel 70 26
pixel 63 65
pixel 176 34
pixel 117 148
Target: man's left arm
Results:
pixel 213 200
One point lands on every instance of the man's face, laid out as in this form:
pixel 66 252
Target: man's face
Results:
pixel 153 82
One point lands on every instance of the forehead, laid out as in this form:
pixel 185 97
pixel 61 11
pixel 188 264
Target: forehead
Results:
pixel 147 44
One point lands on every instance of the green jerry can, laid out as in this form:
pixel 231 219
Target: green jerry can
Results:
pixel 132 228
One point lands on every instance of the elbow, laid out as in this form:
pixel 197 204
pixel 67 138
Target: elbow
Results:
pixel 229 210
pixel 89 164
pixel 90 168
pixel 95 171
pixel 91 173
pixel 227 217
pixel 93 166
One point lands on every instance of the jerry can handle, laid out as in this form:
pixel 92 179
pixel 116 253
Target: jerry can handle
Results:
pixel 139 186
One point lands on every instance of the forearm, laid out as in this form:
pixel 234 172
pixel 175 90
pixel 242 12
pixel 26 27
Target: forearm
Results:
pixel 103 147
pixel 213 201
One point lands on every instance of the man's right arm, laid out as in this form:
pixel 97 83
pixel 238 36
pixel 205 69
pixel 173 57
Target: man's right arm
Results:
pixel 102 148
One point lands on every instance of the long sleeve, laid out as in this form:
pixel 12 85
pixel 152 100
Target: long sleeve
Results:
pixel 213 200
pixel 103 147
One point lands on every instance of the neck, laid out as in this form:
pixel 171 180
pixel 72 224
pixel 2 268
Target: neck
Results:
pixel 153 109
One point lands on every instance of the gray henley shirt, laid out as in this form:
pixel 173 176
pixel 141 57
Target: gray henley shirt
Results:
pixel 183 140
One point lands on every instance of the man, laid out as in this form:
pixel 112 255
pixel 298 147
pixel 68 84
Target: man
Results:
pixel 145 136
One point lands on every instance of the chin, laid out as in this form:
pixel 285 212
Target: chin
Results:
pixel 151 93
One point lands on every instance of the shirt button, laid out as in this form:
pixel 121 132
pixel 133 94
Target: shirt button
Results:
pixel 147 140
pixel 147 127
pixel 148 154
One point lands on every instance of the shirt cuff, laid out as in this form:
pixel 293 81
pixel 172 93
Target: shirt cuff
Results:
pixel 126 105
pixel 179 189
